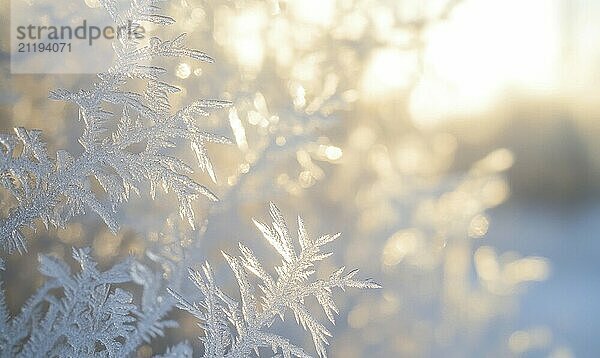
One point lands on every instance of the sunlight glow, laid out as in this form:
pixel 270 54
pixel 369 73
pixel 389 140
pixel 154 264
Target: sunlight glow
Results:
pixel 483 51
pixel 388 70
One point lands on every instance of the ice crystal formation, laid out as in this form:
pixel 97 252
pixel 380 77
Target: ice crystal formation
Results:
pixel 237 329
pixel 75 315
pixel 126 141
pixel 121 160
pixel 89 313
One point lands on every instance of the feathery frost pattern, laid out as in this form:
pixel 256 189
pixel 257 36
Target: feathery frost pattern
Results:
pixel 89 318
pixel 90 313
pixel 56 189
pixel 239 329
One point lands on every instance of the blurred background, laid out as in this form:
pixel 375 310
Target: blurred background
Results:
pixel 454 143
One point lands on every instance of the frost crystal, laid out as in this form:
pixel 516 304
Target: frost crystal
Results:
pixel 234 329
pixel 89 318
pixel 119 161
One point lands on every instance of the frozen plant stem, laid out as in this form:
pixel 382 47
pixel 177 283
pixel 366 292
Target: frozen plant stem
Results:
pixel 218 312
pixel 56 190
